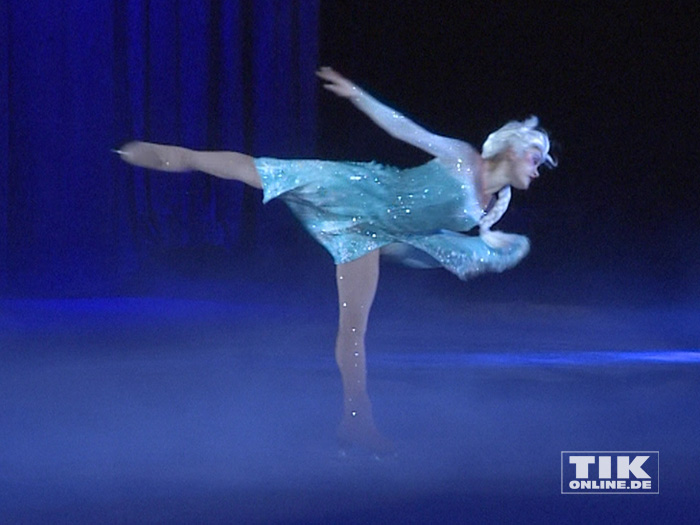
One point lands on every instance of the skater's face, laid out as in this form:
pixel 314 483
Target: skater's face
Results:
pixel 523 168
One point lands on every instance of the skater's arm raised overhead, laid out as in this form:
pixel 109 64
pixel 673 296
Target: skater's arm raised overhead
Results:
pixel 391 121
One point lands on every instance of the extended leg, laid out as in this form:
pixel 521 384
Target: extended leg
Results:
pixel 223 164
pixel 357 285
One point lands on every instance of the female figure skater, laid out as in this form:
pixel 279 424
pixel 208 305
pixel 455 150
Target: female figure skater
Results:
pixel 356 209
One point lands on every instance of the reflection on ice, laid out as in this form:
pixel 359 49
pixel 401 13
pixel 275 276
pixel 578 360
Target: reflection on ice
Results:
pixel 592 358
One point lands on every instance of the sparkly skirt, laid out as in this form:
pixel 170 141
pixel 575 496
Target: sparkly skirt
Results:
pixel 413 215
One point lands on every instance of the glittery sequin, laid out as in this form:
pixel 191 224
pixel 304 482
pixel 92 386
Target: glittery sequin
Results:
pixel 355 208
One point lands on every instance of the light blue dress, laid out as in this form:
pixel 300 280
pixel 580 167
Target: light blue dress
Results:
pixel 414 215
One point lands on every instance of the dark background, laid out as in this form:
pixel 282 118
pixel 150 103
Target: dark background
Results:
pixel 166 340
pixel 614 82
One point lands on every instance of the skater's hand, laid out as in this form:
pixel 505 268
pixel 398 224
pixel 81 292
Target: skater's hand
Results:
pixel 337 83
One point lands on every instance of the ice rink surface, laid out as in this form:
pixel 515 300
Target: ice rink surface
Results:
pixel 216 402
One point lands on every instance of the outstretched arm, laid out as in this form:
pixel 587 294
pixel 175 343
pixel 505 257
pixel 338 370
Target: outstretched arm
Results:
pixel 391 121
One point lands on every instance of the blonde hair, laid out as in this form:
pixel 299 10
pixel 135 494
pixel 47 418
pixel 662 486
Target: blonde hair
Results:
pixel 519 136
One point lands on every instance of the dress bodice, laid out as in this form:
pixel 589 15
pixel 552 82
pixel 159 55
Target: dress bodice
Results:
pixel 436 195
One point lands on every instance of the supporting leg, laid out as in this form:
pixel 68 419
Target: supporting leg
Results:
pixel 222 164
pixel 357 285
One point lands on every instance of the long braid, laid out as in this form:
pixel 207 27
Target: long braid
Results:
pixel 495 213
